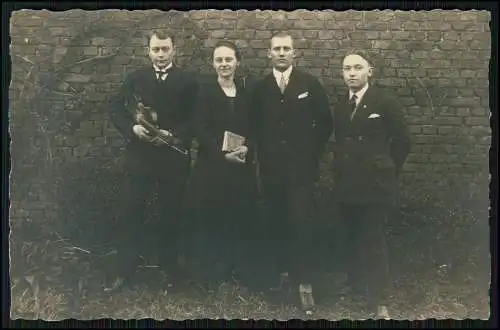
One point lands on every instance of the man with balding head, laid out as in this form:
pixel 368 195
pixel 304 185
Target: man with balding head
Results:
pixel 372 143
pixel 292 123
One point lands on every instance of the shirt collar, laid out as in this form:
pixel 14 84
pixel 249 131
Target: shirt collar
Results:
pixel 164 69
pixel 277 74
pixel 359 94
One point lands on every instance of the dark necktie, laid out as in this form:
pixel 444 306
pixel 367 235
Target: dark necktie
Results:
pixel 352 103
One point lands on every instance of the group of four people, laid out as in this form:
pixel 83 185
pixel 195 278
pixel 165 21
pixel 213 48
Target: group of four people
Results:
pixel 212 208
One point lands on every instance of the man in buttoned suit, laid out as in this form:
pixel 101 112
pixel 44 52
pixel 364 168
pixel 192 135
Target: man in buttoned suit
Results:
pixel 151 166
pixel 292 123
pixel 372 144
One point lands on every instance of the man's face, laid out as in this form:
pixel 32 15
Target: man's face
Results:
pixel 225 61
pixel 161 51
pixel 281 52
pixel 356 71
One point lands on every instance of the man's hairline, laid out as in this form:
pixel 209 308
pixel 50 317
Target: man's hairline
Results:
pixel 282 37
pixel 155 35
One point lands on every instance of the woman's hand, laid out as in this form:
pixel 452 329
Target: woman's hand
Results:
pixel 237 155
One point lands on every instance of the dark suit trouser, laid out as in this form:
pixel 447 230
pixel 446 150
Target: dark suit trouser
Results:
pixel 290 230
pixel 140 233
pixel 365 244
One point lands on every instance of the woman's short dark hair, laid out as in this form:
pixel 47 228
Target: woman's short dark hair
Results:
pixel 231 45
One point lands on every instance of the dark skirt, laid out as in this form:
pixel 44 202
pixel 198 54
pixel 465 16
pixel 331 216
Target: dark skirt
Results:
pixel 223 215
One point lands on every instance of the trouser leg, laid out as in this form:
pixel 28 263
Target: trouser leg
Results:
pixel 300 242
pixel 368 262
pixel 129 233
pixel 168 233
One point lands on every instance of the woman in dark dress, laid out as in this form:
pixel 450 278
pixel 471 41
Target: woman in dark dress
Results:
pixel 223 183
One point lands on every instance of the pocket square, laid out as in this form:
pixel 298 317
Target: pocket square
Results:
pixel 301 96
pixel 374 115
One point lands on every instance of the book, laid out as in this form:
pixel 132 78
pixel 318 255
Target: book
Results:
pixel 232 141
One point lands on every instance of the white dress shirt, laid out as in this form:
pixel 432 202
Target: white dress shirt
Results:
pixel 359 94
pixel 277 75
pixel 164 76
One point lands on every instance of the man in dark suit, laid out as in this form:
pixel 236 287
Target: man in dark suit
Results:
pixel 152 166
pixel 292 123
pixel 372 143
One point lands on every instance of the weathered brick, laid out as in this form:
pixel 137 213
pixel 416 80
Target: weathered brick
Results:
pixel 77 78
pixel 227 13
pixel 467 26
pixel 452 45
pixel 447 130
pixel 412 26
pixel 388 72
pixel 401 35
pixel 229 24
pixel 478 44
pixel 91 51
pixel 448 121
pixel 326 34
pixel 369 35
pixel 415 129
pixel 467 55
pixel 429 129
pixel 434 36
pixel 466 102
pixel 308 24
pixel 420 54
pixel 211 23
pixel 451 35
pixel 436 26
pixel 464 112
pixel 372 26
pixel 339 25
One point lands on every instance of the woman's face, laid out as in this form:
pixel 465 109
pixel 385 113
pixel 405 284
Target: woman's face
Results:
pixel 225 62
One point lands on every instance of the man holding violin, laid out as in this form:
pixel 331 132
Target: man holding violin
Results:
pixel 153 111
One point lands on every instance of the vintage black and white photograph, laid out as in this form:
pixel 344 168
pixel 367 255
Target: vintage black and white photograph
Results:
pixel 249 164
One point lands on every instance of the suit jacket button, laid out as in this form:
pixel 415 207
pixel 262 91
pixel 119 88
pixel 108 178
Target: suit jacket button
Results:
pixel 283 141
pixel 360 138
pixel 282 101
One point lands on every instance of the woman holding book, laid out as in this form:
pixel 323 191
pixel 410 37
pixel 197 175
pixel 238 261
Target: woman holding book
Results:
pixel 223 182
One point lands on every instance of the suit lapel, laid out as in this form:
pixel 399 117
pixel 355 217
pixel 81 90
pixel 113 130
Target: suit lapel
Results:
pixel 292 85
pixel 368 99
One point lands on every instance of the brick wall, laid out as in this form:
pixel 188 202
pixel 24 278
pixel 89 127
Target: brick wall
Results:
pixel 436 62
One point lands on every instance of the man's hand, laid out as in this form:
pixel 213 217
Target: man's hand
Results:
pixel 142 133
pixel 163 133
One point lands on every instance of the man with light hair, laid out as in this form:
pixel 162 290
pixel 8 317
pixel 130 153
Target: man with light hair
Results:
pixel 292 123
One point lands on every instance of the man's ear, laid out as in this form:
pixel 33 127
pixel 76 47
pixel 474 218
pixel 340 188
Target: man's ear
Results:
pixel 370 71
pixel 269 53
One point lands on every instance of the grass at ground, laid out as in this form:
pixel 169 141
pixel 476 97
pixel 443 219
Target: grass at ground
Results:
pixel 413 298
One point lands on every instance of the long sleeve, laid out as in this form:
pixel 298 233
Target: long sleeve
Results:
pixel 202 123
pixel 189 97
pixel 122 118
pixel 322 115
pixel 253 117
pixel 398 132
